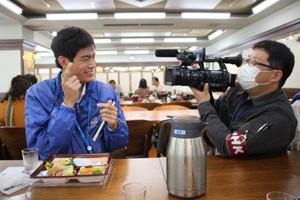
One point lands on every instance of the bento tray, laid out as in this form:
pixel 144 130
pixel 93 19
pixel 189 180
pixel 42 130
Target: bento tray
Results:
pixel 79 160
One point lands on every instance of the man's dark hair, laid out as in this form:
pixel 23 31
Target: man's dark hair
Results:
pixel 112 81
pixel 69 41
pixel 143 83
pixel 31 78
pixel 280 56
pixel 155 78
pixel 18 88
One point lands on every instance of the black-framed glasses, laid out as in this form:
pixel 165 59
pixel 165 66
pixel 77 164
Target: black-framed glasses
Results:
pixel 252 63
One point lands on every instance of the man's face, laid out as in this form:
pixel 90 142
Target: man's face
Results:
pixel 113 85
pixel 84 65
pixel 154 82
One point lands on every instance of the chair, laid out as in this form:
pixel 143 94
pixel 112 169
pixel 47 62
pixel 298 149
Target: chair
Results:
pixel 13 141
pixel 140 133
pixel 170 107
pixel 181 103
pixel 148 106
pixel 133 108
pixel 167 136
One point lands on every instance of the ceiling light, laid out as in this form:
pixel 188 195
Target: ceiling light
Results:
pixel 137 15
pixel 106 52
pixel 135 68
pixel 11 6
pixel 138 34
pixel 54 33
pixel 265 4
pixel 131 57
pixel 72 16
pixel 151 68
pixel 215 34
pixel 180 39
pixel 203 15
pixel 137 52
pixel 102 41
pixel 137 40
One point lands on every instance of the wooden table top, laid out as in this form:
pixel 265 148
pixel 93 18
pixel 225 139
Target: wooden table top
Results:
pixel 144 170
pixel 156 116
pixel 250 177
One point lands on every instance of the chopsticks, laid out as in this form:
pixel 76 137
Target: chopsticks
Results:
pixel 96 135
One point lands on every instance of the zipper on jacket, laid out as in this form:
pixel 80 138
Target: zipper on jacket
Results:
pixel 77 104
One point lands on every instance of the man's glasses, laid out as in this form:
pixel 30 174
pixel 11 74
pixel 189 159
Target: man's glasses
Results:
pixel 252 63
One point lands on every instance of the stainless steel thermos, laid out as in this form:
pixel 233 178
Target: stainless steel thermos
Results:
pixel 186 156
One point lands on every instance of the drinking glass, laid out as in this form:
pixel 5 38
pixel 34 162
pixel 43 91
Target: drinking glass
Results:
pixel 280 196
pixel 133 191
pixel 30 159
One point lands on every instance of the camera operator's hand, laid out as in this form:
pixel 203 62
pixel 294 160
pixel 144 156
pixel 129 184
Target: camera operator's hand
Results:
pixel 201 96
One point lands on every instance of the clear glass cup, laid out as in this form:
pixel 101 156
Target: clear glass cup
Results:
pixel 133 191
pixel 280 196
pixel 30 159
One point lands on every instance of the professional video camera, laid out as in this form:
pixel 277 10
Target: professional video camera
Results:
pixel 219 80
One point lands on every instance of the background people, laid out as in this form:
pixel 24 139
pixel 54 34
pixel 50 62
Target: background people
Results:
pixel 63 114
pixel 143 90
pixel 260 118
pixel 117 88
pixel 31 78
pixel 12 106
pixel 157 87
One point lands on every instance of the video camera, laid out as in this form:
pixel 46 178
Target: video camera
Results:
pixel 218 80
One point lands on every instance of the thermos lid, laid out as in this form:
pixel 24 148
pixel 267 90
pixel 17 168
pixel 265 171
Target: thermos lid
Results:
pixel 185 119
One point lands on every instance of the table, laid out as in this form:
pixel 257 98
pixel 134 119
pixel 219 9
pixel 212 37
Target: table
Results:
pixel 145 170
pixel 156 116
pixel 250 177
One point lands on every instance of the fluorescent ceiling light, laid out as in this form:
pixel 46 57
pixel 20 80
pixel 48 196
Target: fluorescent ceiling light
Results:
pixel 106 52
pixel 138 34
pixel 180 39
pixel 120 68
pixel 45 54
pixel 141 15
pixel 263 5
pixel 151 68
pixel 102 41
pixel 11 6
pixel 72 16
pixel 137 52
pixel 204 15
pixel 215 34
pixel 137 40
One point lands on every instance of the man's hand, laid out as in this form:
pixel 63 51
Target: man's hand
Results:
pixel 109 113
pixel 201 96
pixel 70 85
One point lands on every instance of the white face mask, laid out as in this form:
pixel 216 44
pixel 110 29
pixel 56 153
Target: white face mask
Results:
pixel 247 75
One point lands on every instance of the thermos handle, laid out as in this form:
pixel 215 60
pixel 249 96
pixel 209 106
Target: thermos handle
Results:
pixel 161 136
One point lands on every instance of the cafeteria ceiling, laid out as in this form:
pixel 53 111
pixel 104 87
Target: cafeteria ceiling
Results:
pixel 106 26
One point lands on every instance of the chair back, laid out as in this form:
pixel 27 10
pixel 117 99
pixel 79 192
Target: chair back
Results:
pixel 133 108
pixel 170 107
pixel 181 103
pixel 148 106
pixel 167 136
pixel 13 141
pixel 140 133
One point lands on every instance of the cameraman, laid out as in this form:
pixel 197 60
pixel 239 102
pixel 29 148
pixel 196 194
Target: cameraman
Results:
pixel 260 117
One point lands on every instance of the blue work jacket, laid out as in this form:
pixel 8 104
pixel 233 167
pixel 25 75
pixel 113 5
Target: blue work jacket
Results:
pixel 50 126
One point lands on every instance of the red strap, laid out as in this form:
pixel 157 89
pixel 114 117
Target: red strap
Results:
pixel 236 144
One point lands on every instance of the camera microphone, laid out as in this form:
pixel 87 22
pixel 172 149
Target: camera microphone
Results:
pixel 166 53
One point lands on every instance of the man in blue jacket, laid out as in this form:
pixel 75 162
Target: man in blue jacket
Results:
pixel 62 115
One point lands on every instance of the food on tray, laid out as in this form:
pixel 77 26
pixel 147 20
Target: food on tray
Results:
pixel 59 170
pixel 92 171
pixel 91 161
pixel 62 161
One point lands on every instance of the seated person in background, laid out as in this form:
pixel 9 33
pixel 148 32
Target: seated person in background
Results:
pixel 31 78
pixel 63 114
pixel 157 87
pixel 117 88
pixel 260 117
pixel 12 106
pixel 295 144
pixel 143 90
